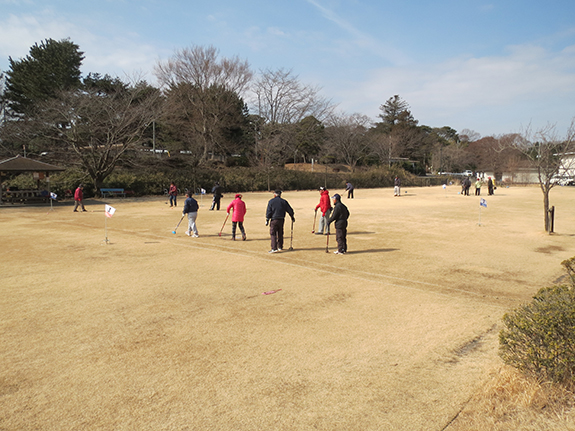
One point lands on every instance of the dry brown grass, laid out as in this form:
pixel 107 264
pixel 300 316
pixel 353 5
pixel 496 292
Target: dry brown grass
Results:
pixel 165 332
pixel 513 401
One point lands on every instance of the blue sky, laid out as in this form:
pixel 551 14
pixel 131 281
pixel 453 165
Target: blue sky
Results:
pixel 494 67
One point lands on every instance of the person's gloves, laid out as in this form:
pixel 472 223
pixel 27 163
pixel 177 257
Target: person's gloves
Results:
pixel 267 222
pixel 293 219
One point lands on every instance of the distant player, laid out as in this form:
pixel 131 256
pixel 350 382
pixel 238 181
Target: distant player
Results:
pixel 217 196
pixel 173 193
pixel 397 187
pixel 349 189
pixel 79 198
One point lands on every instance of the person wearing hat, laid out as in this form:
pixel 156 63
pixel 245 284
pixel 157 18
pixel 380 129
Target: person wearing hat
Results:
pixel 79 198
pixel 238 206
pixel 339 215
pixel 191 208
pixel 325 207
pixel 275 218
pixel 217 192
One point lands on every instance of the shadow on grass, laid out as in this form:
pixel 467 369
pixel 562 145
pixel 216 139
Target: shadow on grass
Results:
pixel 373 250
pixel 332 249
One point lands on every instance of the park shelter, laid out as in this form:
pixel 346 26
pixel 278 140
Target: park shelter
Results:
pixel 39 170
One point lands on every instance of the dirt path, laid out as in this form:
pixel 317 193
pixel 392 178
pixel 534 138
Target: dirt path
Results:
pixel 161 331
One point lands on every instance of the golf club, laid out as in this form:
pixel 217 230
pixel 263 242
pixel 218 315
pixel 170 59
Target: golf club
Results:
pixel 291 237
pixel 220 234
pixel 327 244
pixel 314 216
pixel 178 225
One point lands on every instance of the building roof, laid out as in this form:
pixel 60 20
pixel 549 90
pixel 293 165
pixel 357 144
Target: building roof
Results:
pixel 23 164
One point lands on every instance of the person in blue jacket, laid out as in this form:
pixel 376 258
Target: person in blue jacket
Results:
pixel 191 209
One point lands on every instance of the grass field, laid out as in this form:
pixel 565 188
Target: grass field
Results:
pixel 156 331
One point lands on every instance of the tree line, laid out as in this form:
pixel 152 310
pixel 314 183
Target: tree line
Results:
pixel 207 108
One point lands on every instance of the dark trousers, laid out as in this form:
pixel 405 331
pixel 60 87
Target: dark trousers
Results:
pixel 341 238
pixel 215 203
pixel 350 194
pixel 77 204
pixel 277 233
pixel 241 225
pixel 477 191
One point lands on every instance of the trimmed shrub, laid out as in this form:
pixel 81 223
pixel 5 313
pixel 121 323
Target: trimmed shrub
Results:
pixel 539 337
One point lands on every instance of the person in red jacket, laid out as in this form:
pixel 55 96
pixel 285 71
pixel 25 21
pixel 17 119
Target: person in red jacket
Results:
pixel 78 198
pixel 239 211
pixel 325 207
pixel 173 193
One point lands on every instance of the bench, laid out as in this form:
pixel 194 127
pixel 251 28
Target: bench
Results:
pixel 112 192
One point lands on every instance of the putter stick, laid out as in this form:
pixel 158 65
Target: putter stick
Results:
pixel 315 215
pixel 327 244
pixel 178 225
pixel 220 234
pixel 291 237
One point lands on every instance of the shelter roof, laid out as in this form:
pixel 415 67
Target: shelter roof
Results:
pixel 23 164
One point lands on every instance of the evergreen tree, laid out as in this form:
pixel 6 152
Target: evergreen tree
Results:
pixel 49 68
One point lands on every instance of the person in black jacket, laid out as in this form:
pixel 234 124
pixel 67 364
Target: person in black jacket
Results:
pixel 275 218
pixel 217 192
pixel 339 215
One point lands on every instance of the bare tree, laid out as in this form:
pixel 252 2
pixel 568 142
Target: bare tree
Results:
pixel 96 128
pixel 280 98
pixel 398 142
pixel 348 138
pixel 203 92
pixel 550 155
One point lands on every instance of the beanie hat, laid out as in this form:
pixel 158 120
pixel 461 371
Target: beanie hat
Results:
pixel 238 195
pixel 337 197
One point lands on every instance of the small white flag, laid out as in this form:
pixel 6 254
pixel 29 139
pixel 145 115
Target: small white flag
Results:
pixel 483 203
pixel 203 191
pixel 110 211
pixel 53 195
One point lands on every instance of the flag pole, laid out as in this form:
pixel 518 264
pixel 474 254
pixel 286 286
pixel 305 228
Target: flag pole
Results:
pixel 106 227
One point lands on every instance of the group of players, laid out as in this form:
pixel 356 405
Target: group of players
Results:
pixel 276 211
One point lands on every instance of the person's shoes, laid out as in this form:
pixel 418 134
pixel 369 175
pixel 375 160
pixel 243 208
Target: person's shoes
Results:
pixel 244 238
pixel 272 251
pixel 188 233
pixel 195 236
pixel 75 211
pixel 233 238
pixel 339 252
pixel 84 211
pixel 319 233
pixel 279 249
